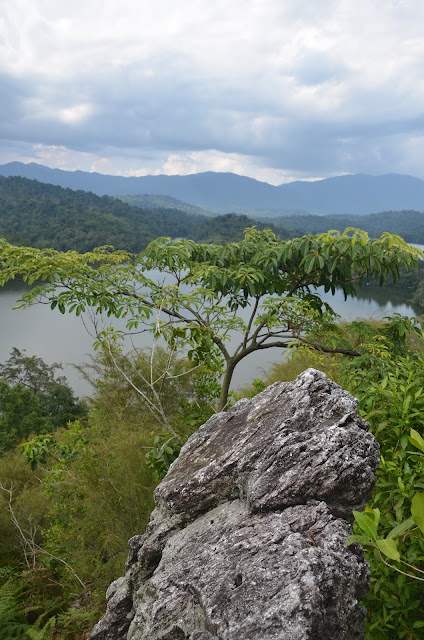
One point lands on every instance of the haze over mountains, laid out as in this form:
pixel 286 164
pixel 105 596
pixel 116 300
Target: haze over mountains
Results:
pixel 228 192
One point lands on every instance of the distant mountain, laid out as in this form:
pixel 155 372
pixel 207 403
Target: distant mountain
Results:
pixel 228 192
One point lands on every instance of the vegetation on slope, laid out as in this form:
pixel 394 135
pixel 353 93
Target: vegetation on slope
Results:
pixel 149 201
pixel 33 399
pixel 408 224
pixel 49 216
pixel 43 215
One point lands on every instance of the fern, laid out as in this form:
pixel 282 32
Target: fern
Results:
pixel 12 622
pixel 42 633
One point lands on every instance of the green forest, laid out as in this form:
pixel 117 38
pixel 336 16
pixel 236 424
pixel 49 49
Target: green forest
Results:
pixel 77 478
pixel 43 215
pixel 409 224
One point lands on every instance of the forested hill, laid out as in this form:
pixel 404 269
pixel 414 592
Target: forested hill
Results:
pixel 149 201
pixel 408 224
pixel 44 215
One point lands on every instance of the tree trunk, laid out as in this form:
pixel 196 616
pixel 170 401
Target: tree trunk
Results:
pixel 231 363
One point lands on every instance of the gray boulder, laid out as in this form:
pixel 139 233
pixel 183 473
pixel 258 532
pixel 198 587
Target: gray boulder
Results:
pixel 247 537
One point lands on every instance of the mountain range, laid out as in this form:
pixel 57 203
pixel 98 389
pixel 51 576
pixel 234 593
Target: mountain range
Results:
pixel 228 192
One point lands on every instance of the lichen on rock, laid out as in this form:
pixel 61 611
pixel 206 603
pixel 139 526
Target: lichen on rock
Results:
pixel 248 536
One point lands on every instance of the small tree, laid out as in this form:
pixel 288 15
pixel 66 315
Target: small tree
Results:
pixel 193 293
pixel 32 399
pixel 30 371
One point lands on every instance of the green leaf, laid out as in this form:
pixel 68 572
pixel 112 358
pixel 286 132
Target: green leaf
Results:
pixel 388 546
pixel 401 528
pixel 417 510
pixel 365 523
pixel 407 403
pixel 309 263
pixel 416 440
pixel 373 514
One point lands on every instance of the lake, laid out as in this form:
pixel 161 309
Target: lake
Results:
pixel 63 338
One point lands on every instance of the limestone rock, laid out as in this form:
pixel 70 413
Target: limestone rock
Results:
pixel 247 537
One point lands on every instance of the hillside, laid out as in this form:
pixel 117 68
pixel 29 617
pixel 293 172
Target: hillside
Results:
pixel 228 192
pixel 43 215
pixel 149 201
pixel 408 224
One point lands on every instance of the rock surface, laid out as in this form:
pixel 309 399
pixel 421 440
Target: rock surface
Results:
pixel 247 537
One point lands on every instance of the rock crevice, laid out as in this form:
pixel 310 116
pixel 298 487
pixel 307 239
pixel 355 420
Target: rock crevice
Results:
pixel 247 537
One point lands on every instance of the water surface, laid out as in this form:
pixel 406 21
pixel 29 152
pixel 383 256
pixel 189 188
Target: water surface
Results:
pixel 64 338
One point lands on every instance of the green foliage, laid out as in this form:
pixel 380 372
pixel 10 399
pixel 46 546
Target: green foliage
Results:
pixel 44 632
pixel 250 391
pixel 165 448
pixel 171 390
pixel 30 506
pixel 45 215
pixel 69 444
pixel 13 624
pixel 22 614
pixel 411 528
pixel 94 471
pixel 32 400
pixel 388 380
pixel 201 289
pixel 91 491
pixel 29 371
pixel 21 414
pixel 228 228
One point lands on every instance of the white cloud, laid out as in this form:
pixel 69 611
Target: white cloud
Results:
pixel 58 157
pixel 76 114
pixel 272 88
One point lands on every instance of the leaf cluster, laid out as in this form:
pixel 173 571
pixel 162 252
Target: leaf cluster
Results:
pixel 32 399
pixel 388 380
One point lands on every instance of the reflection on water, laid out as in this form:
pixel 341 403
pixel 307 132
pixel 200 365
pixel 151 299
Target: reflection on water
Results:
pixel 63 338
pixel 17 286
pixel 373 301
pixel 398 298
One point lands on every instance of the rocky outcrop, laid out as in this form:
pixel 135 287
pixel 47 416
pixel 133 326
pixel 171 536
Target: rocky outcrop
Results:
pixel 247 537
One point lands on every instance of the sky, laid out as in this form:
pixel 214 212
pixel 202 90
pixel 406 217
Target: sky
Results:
pixel 277 90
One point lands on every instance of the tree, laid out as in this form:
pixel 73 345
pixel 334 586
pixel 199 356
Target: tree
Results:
pixel 192 294
pixel 32 399
pixel 30 371
pixel 20 415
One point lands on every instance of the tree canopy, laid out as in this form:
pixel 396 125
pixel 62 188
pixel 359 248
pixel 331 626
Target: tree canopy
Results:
pixel 192 294
pixel 32 399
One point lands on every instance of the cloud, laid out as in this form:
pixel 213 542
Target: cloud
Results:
pixel 270 89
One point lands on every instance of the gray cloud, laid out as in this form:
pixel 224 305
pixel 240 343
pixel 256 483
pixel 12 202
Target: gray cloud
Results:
pixel 294 89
